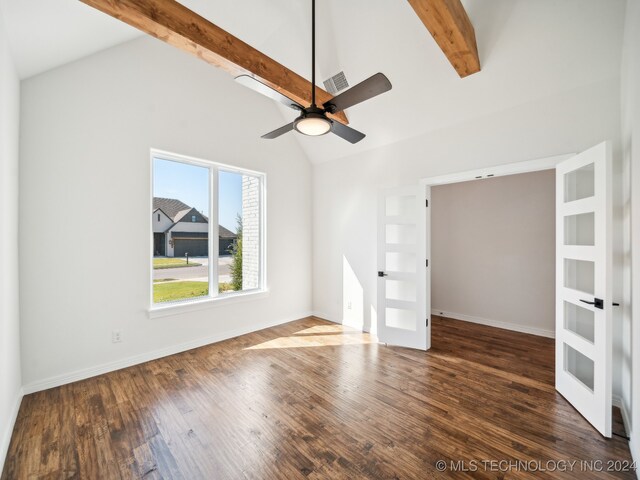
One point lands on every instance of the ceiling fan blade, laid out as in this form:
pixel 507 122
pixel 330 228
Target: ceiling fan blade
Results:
pixel 280 131
pixel 369 88
pixel 348 133
pixel 267 91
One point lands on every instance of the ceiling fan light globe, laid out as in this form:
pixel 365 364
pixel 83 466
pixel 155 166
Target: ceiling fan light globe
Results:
pixel 313 126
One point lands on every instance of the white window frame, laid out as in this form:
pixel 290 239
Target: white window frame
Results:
pixel 214 297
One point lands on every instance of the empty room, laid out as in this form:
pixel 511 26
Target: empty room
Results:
pixel 319 239
pixel 493 245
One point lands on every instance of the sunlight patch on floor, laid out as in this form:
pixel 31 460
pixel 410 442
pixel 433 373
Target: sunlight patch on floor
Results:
pixel 318 336
pixel 325 329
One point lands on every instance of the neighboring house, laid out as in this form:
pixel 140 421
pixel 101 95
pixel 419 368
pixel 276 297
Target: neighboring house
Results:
pixel 179 229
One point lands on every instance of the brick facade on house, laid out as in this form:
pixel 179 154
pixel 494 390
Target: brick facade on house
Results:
pixel 250 232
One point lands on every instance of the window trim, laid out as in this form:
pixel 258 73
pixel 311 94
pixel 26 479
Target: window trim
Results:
pixel 160 310
pixel 214 297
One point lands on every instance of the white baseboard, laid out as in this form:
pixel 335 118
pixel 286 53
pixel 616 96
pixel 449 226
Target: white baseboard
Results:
pixel 467 318
pixel 6 435
pixel 495 323
pixel 85 373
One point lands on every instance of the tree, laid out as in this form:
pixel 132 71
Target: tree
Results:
pixel 236 252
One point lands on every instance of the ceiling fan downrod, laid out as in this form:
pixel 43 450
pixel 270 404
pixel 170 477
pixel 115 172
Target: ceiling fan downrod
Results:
pixel 313 120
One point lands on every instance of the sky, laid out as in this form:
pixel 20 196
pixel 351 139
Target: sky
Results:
pixel 190 184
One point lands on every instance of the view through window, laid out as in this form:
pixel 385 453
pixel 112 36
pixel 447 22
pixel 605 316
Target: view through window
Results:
pixel 198 255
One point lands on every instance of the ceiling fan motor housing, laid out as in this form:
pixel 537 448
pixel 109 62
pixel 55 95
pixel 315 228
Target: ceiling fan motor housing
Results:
pixel 313 121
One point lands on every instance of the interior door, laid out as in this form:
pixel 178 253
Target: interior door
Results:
pixel 584 284
pixel 403 315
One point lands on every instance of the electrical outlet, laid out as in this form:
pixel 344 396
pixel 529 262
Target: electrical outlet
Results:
pixel 349 304
pixel 116 336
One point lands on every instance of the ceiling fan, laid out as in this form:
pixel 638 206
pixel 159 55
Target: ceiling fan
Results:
pixel 313 120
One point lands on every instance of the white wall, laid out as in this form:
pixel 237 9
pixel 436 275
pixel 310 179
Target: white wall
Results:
pixel 10 377
pixel 493 251
pixel 630 101
pixel 87 128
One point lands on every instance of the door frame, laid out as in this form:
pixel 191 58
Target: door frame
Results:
pixel 536 165
pixel 545 163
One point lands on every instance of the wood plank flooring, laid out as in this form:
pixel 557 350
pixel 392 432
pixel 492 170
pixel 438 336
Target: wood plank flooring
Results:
pixel 311 399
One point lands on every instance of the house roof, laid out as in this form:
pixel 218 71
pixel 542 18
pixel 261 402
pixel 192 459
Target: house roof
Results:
pixel 176 210
pixel 163 212
pixel 171 206
pixel 225 232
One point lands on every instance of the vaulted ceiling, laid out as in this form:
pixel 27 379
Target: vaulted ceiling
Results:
pixel 529 50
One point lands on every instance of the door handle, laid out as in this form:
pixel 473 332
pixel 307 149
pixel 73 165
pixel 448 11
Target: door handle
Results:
pixel 382 274
pixel 597 302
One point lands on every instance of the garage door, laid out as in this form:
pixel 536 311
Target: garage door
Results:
pixel 195 247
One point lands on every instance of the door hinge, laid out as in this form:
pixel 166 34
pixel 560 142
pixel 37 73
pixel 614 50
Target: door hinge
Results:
pixel 426 262
pixel 427 322
pixel 426 202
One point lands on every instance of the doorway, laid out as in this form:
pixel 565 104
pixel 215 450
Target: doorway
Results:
pixel 493 251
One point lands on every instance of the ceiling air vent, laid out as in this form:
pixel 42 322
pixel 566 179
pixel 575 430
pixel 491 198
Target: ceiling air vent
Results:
pixel 336 83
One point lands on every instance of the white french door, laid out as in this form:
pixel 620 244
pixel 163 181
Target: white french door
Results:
pixel 403 310
pixel 584 284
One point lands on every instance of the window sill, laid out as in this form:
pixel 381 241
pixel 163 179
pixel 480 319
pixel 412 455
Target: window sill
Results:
pixel 157 311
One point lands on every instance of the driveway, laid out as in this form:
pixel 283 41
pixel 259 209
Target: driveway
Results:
pixel 200 273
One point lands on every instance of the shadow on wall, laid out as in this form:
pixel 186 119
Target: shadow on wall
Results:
pixel 489 21
pixel 353 304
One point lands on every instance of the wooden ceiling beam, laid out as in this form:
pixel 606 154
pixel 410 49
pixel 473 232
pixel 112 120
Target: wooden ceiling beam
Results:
pixel 176 25
pixel 449 24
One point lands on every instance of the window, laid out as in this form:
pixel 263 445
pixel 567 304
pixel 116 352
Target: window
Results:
pixel 216 253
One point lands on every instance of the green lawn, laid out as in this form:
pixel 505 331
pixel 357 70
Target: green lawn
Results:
pixel 160 263
pixel 168 292
pixel 172 291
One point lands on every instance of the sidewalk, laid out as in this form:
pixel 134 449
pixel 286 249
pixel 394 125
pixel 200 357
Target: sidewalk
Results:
pixel 195 274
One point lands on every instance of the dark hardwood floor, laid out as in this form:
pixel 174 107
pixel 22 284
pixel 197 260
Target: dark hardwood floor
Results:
pixel 311 399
